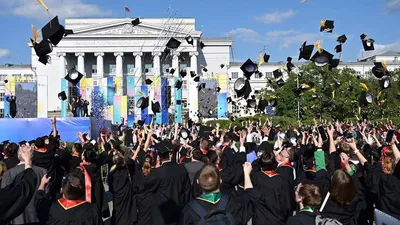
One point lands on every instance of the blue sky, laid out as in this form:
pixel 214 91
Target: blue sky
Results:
pixel 279 25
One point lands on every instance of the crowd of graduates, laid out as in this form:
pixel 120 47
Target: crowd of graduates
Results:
pixel 333 173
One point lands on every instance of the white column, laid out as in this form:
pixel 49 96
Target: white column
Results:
pixel 156 63
pixel 175 63
pixel 193 94
pixel 119 71
pixel 138 81
pixel 64 83
pixel 100 64
pixel 81 62
pixel 62 64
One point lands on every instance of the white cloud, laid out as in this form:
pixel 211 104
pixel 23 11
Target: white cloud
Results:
pixel 393 5
pixel 275 17
pixel 380 49
pixel 4 53
pixel 63 8
pixel 287 38
pixel 244 34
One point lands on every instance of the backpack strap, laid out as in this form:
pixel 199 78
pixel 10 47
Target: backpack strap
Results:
pixel 198 208
pixel 223 202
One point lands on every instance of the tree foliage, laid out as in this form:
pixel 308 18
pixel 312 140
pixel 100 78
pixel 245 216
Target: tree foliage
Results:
pixel 338 92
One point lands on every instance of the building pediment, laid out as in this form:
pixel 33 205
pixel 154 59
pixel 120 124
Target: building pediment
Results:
pixel 124 27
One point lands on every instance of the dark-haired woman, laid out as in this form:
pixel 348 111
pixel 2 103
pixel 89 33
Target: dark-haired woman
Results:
pixel 308 196
pixel 89 170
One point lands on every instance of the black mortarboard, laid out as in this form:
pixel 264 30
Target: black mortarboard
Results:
pixel 222 66
pixel 135 22
pixel 142 103
pixel 262 104
pixel 265 146
pixel 31 142
pixel 164 147
pixel 384 83
pixel 217 89
pixel 306 51
pixel 42 49
pixel 334 63
pixel 202 45
pixel 192 74
pixel 62 96
pixel 251 103
pixel 73 76
pixel 155 107
pixel 363 36
pixel 229 99
pixel 338 48
pixel 365 99
pixel 205 70
pixel 171 70
pixel 201 86
pixel 179 102
pixel 196 79
pixel 327 26
pixel 140 122
pixel 379 70
pixel 277 73
pixel 242 88
pixel 53 31
pixel 248 68
pixel 183 73
pixel 289 64
pixel 178 84
pixel 148 81
pixel 342 39
pixel 6 142
pixel 205 131
pixel 22 143
pixel 266 57
pixel 322 59
pixel 280 82
pixel 368 44
pixel 189 39
pixel 68 32
pixel 173 43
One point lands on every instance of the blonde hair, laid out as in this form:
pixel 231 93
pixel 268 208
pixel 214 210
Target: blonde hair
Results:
pixel 3 169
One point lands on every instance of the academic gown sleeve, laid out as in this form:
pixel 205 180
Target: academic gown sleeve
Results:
pixel 16 196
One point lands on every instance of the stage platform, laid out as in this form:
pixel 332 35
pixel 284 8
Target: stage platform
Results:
pixel 28 129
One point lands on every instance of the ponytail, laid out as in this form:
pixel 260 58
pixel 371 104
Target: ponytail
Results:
pixel 387 160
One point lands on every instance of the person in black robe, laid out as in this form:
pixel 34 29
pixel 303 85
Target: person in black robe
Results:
pixel 309 198
pixel 171 187
pixel 71 209
pixel 11 158
pixel 13 106
pixel 276 203
pixel 16 196
pixel 120 182
pixel 239 207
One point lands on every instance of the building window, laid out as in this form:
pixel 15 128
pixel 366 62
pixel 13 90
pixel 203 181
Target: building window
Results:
pixel 17 75
pixel 235 75
pixel 147 67
pixel 165 67
pixel 131 69
pixel 1 113
pixel 235 109
pixel 396 59
pixel 269 74
pixel 3 77
pixel 184 85
pixel 184 103
pixel 2 97
pixel 94 69
pixel 358 73
pixel 113 69
pixel 258 75
pixel 182 66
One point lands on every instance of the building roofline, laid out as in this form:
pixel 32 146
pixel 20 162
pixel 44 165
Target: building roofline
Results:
pixel 15 66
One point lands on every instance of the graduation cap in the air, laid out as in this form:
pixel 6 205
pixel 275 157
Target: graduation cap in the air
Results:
pixel 173 43
pixel 205 69
pixel 183 73
pixel 342 39
pixel 289 64
pixel 251 103
pixel 384 83
pixel 322 58
pixel 189 40
pixel 380 70
pixel 140 122
pixel 192 74
pixel 205 131
pixel 202 45
pixel 338 48
pixel 277 73
pixel 178 84
pixel 306 51
pixel 229 99
pixel 280 82
pixel 135 22
pixel 201 86
pixel 217 89
pixel 334 63
pixel 62 96
pixel 365 99
pixel 242 88
pixel 368 43
pixel 142 103
pixel 196 79
pixel 73 76
pixel 326 26
pixel 53 31
pixel 222 66
pixel 42 49
pixel 262 104
pixel 155 107
pixel 248 68
pixel 266 57
pixel 148 81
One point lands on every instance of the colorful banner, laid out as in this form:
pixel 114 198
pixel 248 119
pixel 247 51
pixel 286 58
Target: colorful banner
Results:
pixel 130 90
pixel 178 107
pixel 6 106
pixel 117 110
pixel 222 82
pixel 42 96
pixel 124 106
pixel 64 104
pixel 164 108
pixel 110 91
pixel 157 97
pixel 118 85
pixel 145 113
pixel 110 112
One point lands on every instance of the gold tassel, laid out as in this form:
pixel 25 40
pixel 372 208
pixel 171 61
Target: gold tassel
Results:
pixel 318 46
pixel 384 66
pixel 34 31
pixel 323 23
pixel 363 85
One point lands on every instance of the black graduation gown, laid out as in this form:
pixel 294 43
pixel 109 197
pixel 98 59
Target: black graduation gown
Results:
pixel 241 207
pixel 285 170
pixel 99 196
pixel 346 214
pixel 16 196
pixel 275 203
pixel 172 188
pixel 227 157
pixel 65 212
pixel 145 198
pixel 302 218
pixel 121 186
pixel 11 162
pixel 386 188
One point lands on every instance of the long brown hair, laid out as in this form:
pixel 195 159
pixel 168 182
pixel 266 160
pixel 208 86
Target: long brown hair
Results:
pixel 342 189
pixel 3 169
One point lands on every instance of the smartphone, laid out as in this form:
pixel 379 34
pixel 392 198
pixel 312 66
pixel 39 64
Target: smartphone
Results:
pixel 321 131
pixel 389 136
